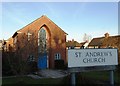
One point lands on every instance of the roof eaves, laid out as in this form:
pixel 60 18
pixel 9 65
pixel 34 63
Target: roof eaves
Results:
pixel 54 23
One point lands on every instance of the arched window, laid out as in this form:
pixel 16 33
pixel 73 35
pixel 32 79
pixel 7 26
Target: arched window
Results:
pixel 42 40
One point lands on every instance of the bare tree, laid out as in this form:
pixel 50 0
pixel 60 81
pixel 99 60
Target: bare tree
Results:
pixel 23 57
pixel 87 38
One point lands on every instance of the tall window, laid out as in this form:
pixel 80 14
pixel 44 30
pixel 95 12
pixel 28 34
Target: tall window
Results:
pixel 57 56
pixel 29 34
pixel 42 41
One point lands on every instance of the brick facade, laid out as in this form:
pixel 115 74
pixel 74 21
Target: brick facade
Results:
pixel 25 40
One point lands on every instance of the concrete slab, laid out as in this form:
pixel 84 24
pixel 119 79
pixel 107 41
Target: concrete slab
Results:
pixel 52 73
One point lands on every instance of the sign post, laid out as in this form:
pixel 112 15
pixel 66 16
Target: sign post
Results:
pixel 112 78
pixel 82 60
pixel 73 79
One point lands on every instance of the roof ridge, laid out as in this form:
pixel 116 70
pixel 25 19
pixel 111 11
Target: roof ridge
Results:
pixel 114 36
pixel 54 23
pixel 108 37
pixel 38 19
pixel 98 37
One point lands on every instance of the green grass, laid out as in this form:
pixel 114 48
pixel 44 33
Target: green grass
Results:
pixel 28 81
pixel 102 75
pixel 81 78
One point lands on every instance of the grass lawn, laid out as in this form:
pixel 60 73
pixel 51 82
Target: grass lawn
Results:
pixel 30 81
pixel 102 76
pixel 81 78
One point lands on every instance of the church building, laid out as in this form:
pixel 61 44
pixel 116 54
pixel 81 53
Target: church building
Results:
pixel 41 41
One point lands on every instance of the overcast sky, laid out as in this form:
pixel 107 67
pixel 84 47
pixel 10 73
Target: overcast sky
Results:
pixel 75 18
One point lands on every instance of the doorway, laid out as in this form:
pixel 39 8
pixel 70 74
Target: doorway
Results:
pixel 42 49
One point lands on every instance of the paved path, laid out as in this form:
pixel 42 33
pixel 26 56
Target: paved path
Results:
pixel 48 73
pixel 34 76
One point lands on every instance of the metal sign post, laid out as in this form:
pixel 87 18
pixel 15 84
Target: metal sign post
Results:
pixel 73 79
pixel 112 78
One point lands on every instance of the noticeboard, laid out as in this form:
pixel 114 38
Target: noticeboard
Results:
pixel 92 57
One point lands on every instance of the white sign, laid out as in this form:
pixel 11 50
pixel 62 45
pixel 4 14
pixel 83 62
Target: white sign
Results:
pixel 92 57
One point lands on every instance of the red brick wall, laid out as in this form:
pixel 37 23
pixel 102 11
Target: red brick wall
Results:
pixel 56 41
pixel 9 45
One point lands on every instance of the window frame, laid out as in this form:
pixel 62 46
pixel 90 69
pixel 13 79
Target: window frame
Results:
pixel 57 56
pixel 28 36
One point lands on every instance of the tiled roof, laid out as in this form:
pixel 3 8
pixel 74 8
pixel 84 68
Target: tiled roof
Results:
pixel 72 43
pixel 110 41
pixel 96 41
pixel 82 43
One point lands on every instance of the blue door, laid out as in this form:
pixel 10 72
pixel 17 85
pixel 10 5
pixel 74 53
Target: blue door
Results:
pixel 42 61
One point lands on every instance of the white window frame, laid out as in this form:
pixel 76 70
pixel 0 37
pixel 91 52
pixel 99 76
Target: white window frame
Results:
pixel 29 34
pixel 57 56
